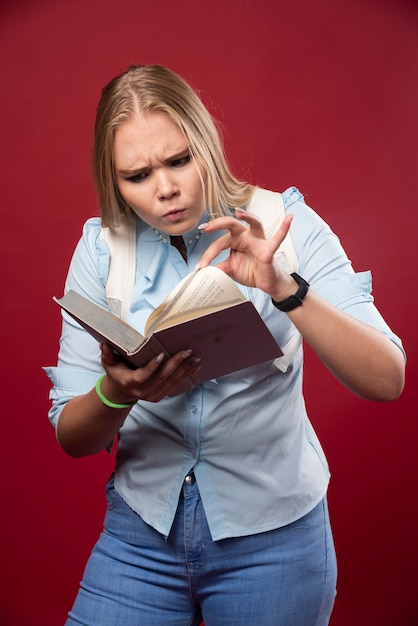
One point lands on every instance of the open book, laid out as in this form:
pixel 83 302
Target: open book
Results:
pixel 206 312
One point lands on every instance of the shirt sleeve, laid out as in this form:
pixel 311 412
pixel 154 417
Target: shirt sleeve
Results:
pixel 325 265
pixel 79 364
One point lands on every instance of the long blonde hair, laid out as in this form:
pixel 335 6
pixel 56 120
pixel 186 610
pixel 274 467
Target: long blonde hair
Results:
pixel 154 88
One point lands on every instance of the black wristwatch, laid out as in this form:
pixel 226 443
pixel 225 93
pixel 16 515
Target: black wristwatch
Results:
pixel 296 300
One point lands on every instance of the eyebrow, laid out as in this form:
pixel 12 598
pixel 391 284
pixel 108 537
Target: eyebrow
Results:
pixel 138 170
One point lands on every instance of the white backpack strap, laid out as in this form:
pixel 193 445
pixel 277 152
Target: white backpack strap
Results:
pixel 121 242
pixel 289 350
pixel 268 206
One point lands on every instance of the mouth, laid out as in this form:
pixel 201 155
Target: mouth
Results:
pixel 175 215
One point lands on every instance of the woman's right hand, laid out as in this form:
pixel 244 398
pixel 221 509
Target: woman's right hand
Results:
pixel 153 382
pixel 87 425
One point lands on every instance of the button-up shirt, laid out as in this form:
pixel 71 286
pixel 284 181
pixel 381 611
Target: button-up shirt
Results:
pixel 256 458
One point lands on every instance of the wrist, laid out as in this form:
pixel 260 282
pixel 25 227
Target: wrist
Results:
pixel 295 299
pixel 109 399
pixel 284 288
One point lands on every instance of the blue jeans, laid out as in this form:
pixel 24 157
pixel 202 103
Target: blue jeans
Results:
pixel 135 577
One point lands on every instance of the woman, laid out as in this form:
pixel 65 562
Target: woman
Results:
pixel 217 508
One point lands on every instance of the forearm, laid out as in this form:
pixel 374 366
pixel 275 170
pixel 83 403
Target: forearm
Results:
pixel 87 426
pixel 359 356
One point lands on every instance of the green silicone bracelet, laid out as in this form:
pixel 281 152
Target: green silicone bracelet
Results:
pixel 113 405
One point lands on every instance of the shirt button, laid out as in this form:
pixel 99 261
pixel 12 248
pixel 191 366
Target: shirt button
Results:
pixel 193 409
pixel 189 480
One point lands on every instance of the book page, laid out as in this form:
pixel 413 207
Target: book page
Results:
pixel 100 323
pixel 205 289
pixel 171 321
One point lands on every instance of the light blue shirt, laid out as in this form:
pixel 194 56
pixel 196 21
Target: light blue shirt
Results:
pixel 257 460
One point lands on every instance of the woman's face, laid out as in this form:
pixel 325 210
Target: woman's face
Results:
pixel 156 174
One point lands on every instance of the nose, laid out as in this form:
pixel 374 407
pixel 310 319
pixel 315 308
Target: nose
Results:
pixel 166 184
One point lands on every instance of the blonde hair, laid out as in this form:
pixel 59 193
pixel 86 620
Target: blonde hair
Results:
pixel 154 88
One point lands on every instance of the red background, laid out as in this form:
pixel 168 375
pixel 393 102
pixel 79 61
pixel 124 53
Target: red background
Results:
pixel 322 94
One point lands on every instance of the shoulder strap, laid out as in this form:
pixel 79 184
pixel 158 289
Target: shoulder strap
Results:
pixel 268 206
pixel 121 242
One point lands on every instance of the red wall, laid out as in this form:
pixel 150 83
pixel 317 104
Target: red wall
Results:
pixel 322 94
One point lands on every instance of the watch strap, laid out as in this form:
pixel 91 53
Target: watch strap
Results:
pixel 296 299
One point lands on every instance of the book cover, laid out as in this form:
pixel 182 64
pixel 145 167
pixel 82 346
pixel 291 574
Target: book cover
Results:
pixel 225 330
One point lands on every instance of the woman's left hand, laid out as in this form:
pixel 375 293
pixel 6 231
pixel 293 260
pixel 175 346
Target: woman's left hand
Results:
pixel 250 261
pixel 361 357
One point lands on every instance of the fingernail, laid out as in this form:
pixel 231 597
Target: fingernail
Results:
pixel 195 361
pixel 197 266
pixel 203 226
pixel 240 209
pixel 159 358
pixel 186 354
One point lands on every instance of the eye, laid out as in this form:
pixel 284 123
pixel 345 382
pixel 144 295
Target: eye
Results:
pixel 137 178
pixel 181 161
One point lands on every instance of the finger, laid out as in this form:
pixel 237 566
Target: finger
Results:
pixel 120 369
pixel 158 372
pixel 168 381
pixel 253 222
pixel 282 231
pixel 159 369
pixel 232 224
pixel 110 358
pixel 257 226
pixel 218 223
pixel 178 364
pixel 213 250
